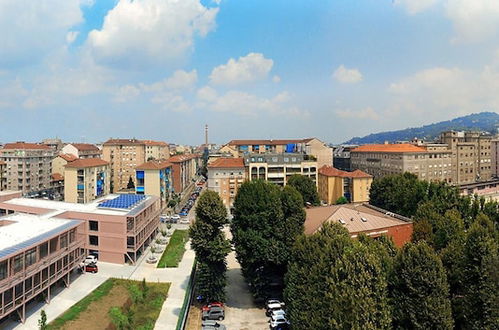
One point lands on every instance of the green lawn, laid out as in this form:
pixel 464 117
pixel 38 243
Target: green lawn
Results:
pixel 144 313
pixel 174 250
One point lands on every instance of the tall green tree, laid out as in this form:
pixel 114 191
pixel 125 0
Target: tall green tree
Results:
pixel 211 246
pixel 267 220
pixel 42 322
pixel 419 290
pixel 306 187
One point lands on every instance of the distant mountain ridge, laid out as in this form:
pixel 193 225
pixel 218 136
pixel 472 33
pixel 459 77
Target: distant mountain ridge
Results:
pixel 483 121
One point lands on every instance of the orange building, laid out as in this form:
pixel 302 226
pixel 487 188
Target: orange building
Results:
pixel 334 183
pixel 225 176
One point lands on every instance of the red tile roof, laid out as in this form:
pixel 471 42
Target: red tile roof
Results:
pixel 331 171
pixel 85 146
pixel 155 143
pixel 397 148
pixel 57 177
pixel 182 158
pixel 111 142
pixel 24 145
pixel 68 157
pixel 266 142
pixel 86 162
pixel 154 165
pixel 2 162
pixel 227 163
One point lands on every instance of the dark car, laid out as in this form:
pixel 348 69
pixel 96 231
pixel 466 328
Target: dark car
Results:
pixel 213 313
pixel 212 304
pixel 91 268
pixel 212 325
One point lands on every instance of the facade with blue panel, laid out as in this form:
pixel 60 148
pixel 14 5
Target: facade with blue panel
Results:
pixel 155 178
pixel 86 180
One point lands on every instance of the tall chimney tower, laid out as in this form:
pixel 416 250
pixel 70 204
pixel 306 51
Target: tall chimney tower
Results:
pixel 206 136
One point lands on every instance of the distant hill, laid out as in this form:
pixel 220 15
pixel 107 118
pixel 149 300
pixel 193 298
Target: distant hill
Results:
pixel 483 121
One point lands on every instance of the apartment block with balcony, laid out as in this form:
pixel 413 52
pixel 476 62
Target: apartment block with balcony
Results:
pixel 28 167
pixel 494 155
pixel 278 168
pixel 36 253
pixel 155 178
pixel 60 161
pixel 334 183
pixel 156 150
pixel 225 176
pixel 116 227
pixel 3 175
pixel 86 180
pixel 82 150
pixel 184 170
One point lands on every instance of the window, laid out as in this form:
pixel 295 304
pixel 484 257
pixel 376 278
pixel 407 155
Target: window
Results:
pixel 18 263
pixel 93 240
pixel 53 245
pixel 72 235
pixel 44 250
pixel 64 240
pixel 3 270
pixel 93 225
pixel 30 257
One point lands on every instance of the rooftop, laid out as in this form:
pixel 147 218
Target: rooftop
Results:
pixel 331 171
pixel 268 142
pixel 57 177
pixel 182 158
pixel 25 145
pixel 355 217
pixel 397 148
pixel 227 163
pixel 155 143
pixel 68 157
pixel 86 162
pixel 20 230
pixel 154 165
pixel 85 146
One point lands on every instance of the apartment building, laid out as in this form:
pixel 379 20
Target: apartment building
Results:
pixel 36 252
pixel 156 150
pixel 184 169
pixel 471 155
pixel 154 178
pixel 428 163
pixel 225 176
pixel 334 183
pixel 54 143
pixel 494 156
pixel 278 168
pixel 3 175
pixel 124 155
pixel 86 180
pixel 28 166
pixel 116 227
pixel 314 147
pixel 57 186
pixel 82 150
pixel 60 161
pixel 342 158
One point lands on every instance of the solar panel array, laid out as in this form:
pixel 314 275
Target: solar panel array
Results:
pixel 123 201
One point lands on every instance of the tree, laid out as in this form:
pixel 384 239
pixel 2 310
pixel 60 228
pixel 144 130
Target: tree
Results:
pixel 419 290
pixel 306 187
pixel 130 184
pixel 42 322
pixel 211 246
pixel 341 200
pixel 119 319
pixel 335 283
pixel 267 220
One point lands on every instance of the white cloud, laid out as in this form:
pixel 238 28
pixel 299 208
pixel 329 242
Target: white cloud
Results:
pixel 415 6
pixel 126 93
pixel 245 69
pixel 144 32
pixel 366 113
pixel 207 93
pixel 179 80
pixel 474 20
pixel 31 29
pixel 347 76
pixel 71 36
pixel 276 79
pixel 172 102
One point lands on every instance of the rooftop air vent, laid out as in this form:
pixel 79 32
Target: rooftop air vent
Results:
pixel 342 221
pixel 363 219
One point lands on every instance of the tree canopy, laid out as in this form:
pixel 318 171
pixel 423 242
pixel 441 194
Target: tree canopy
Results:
pixel 306 187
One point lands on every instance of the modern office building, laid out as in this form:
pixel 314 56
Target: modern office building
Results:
pixel 334 183
pixel 360 218
pixel 60 161
pixel 124 155
pixel 225 176
pixel 86 180
pixel 28 166
pixel 36 252
pixel 116 227
pixel 82 150
pixel 278 168
pixel 184 170
pixel 432 162
pixel 154 178
pixel 314 147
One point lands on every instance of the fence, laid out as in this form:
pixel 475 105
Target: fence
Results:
pixel 189 294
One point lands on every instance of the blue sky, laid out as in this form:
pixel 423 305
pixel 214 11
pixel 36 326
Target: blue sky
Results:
pixel 87 70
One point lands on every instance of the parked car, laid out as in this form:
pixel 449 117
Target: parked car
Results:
pixel 183 213
pixel 90 259
pixel 274 322
pixel 174 218
pixel 273 307
pixel 273 301
pixel 281 326
pixel 212 325
pixel 164 218
pixel 184 221
pixel 212 304
pixel 213 313
pixel 91 268
pixel 279 312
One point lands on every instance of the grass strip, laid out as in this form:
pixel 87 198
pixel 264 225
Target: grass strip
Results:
pixel 174 250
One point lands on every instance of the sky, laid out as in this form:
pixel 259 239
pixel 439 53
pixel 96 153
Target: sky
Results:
pixel 89 70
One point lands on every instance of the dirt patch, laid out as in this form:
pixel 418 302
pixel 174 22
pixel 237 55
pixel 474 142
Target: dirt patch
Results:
pixel 194 318
pixel 96 317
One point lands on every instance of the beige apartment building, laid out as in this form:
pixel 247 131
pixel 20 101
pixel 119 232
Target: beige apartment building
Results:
pixel 432 163
pixel 225 176
pixel 124 155
pixel 154 178
pixel 156 150
pixel 28 166
pixel 278 168
pixel 494 155
pixel 86 180
pixel 3 178
pixel 82 150
pixel 314 147
pixel 334 183
pixel 471 156
pixel 60 161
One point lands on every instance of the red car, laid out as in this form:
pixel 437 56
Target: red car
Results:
pixel 212 304
pixel 91 268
